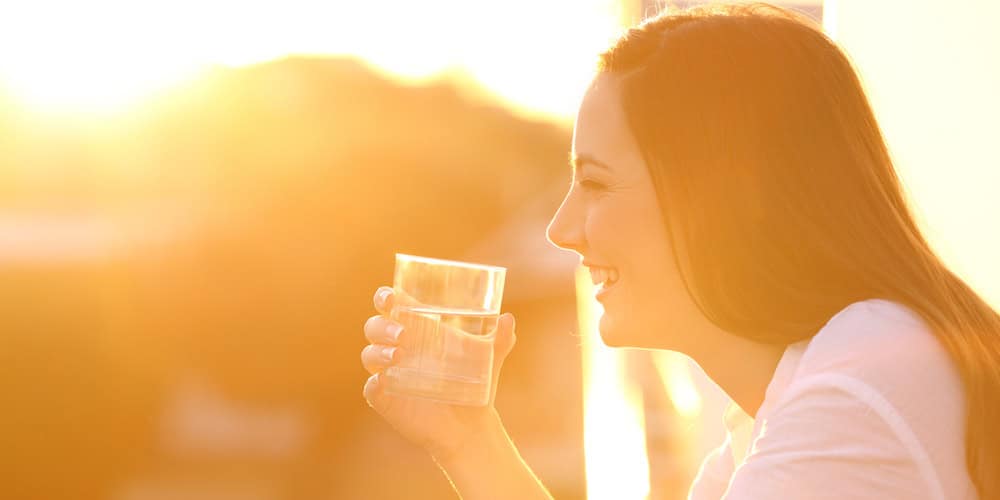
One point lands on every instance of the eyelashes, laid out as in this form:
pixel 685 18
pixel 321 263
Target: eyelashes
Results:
pixel 593 186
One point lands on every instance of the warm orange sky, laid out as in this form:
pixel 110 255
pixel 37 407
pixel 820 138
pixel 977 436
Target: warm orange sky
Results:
pixel 101 55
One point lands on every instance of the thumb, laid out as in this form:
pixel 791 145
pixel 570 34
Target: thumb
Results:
pixel 505 338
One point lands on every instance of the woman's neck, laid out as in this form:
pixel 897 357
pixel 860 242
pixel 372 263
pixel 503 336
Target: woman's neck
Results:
pixel 742 368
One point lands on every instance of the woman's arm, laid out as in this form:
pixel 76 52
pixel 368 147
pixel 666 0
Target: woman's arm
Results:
pixel 490 467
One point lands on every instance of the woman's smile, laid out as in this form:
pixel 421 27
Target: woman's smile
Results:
pixel 605 278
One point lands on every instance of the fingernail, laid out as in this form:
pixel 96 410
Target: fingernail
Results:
pixel 394 330
pixel 388 354
pixel 383 294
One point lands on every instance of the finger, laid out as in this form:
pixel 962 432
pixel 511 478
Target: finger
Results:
pixel 381 330
pixel 387 297
pixel 376 357
pixel 373 393
pixel 383 299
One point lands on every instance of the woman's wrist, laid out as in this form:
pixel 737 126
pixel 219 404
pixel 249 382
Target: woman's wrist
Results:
pixel 488 466
pixel 485 437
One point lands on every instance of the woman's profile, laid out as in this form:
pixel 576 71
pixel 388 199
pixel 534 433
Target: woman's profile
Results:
pixel 734 199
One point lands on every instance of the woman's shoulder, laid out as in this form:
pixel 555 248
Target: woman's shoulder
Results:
pixel 879 341
pixel 886 358
pixel 876 378
pixel 885 355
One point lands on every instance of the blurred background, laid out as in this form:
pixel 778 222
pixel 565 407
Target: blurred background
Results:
pixel 197 201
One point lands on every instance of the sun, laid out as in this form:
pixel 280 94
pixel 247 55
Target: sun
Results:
pixel 89 56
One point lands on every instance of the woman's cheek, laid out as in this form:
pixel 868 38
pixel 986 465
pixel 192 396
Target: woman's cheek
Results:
pixel 601 225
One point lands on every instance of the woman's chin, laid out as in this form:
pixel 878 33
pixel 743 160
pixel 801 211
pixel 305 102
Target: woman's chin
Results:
pixel 609 333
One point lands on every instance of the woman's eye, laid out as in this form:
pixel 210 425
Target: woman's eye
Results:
pixel 589 185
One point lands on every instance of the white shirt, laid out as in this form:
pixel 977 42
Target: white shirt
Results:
pixel 871 407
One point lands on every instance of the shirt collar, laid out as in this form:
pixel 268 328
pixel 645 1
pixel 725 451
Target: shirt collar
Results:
pixel 783 375
pixel 741 426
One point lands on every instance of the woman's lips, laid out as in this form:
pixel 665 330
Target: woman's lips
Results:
pixel 603 290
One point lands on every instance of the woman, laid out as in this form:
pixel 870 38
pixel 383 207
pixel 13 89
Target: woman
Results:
pixel 733 195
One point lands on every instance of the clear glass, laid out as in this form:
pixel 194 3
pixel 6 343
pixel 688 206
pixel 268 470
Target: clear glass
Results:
pixel 449 312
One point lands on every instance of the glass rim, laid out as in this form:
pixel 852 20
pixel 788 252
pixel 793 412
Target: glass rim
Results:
pixel 446 262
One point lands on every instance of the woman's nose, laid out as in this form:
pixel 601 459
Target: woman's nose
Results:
pixel 566 227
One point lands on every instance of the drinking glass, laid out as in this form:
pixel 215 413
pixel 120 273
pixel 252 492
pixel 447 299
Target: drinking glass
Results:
pixel 449 311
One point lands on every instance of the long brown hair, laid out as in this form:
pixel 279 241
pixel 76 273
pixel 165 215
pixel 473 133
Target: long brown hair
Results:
pixel 780 196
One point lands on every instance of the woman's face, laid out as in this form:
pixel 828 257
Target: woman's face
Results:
pixel 612 219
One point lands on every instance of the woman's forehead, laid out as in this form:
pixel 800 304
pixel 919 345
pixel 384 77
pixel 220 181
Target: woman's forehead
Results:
pixel 602 96
pixel 601 131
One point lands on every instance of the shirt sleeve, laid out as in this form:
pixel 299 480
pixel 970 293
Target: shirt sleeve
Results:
pixel 833 437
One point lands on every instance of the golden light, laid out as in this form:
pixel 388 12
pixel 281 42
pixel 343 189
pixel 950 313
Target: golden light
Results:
pixel 614 436
pixel 106 54
pixel 91 56
pixel 675 373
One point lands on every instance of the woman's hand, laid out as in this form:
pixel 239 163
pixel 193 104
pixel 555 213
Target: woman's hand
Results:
pixel 440 428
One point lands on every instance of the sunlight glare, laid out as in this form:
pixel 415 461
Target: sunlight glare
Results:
pixel 675 374
pixel 81 56
pixel 537 56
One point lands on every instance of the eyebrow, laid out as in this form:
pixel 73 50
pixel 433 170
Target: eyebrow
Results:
pixel 576 161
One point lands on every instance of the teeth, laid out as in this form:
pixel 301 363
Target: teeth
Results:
pixel 603 275
pixel 598 275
